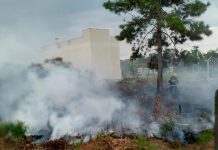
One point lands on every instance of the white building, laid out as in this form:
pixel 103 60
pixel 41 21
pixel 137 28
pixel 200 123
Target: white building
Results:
pixel 95 51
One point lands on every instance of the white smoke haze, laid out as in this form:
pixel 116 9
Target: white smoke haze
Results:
pixel 65 100
pixel 196 88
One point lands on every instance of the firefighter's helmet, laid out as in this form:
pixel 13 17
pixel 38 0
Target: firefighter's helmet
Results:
pixel 174 74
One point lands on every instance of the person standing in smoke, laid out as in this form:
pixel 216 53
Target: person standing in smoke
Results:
pixel 173 82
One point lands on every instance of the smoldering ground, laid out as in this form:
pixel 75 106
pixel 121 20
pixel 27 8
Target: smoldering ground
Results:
pixel 61 99
pixel 191 110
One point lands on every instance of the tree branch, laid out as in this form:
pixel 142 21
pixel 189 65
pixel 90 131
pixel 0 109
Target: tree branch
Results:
pixel 132 15
pixel 170 39
pixel 146 36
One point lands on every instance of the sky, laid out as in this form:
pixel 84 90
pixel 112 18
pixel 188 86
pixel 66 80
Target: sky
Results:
pixel 26 26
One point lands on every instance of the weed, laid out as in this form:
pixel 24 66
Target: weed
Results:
pixel 204 137
pixel 78 145
pixel 167 127
pixel 16 130
pixel 143 144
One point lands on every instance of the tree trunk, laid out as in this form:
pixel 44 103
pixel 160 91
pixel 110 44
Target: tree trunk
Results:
pixel 216 120
pixel 160 64
pixel 159 53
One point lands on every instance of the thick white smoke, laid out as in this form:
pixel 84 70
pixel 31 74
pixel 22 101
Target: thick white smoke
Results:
pixel 65 100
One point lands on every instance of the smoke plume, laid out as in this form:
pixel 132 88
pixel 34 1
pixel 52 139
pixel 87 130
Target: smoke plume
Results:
pixel 66 101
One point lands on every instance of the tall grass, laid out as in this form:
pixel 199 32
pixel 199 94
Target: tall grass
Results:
pixel 16 130
pixel 143 144
pixel 204 137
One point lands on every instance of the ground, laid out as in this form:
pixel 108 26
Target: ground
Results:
pixel 107 143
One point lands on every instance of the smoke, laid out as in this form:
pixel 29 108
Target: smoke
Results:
pixel 195 88
pixel 194 103
pixel 65 101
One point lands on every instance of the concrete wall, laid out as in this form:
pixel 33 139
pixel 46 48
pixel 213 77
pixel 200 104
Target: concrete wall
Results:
pixel 95 51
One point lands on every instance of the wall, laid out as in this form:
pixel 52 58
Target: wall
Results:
pixel 96 51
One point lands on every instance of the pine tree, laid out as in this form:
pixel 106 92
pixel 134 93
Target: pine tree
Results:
pixel 154 25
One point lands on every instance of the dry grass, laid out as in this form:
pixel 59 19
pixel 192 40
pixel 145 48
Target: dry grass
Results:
pixel 103 143
pixel 108 143
pixel 7 143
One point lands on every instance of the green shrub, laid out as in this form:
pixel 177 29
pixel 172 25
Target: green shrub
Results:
pixel 143 144
pixel 167 127
pixel 204 136
pixel 16 130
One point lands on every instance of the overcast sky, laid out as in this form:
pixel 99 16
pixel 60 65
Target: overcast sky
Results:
pixel 28 25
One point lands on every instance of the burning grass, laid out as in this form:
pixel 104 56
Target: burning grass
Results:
pixel 168 116
pixel 110 143
pixel 103 141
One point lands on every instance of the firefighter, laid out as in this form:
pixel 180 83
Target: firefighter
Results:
pixel 173 82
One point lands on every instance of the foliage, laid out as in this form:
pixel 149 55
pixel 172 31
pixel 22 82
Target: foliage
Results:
pixel 204 137
pixel 78 145
pixel 214 57
pixel 17 130
pixel 41 70
pixel 143 144
pixel 167 127
pixel 191 57
pixel 176 16
pixel 156 25
pixel 169 59
pixel 195 57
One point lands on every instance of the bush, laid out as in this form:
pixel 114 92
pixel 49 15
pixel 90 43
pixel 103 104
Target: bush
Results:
pixel 145 145
pixel 17 130
pixel 167 127
pixel 204 137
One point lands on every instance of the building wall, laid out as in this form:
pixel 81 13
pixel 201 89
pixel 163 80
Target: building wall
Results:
pixel 96 51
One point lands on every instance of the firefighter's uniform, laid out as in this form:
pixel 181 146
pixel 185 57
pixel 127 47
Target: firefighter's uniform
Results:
pixel 173 84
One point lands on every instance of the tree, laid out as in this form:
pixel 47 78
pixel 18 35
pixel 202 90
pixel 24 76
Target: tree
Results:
pixel 157 24
pixel 193 57
pixel 169 59
pixel 214 56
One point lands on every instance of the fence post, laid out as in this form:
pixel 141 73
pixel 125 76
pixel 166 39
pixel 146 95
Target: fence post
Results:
pixel 216 120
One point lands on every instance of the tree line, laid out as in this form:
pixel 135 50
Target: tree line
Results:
pixel 185 58
pixel 180 59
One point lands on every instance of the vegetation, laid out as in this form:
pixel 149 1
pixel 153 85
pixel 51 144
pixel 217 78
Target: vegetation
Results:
pixel 143 144
pixel 154 25
pixel 107 142
pixel 204 137
pixel 169 59
pixel 12 135
pixel 193 59
pixel 16 130
pixel 167 127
